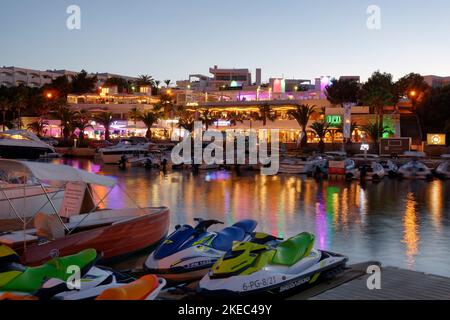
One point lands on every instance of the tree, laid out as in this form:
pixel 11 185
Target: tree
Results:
pixel 207 117
pixel 379 91
pixel 105 119
pixel 186 120
pixel 265 113
pixel 19 104
pixel 82 121
pixel 145 80
pixel 235 117
pixel 353 127
pixel 168 105
pixel 66 116
pixel 135 114
pixel 149 118
pixel 320 128
pixel 83 83
pixel 60 87
pixel 413 87
pixel 4 107
pixel 302 113
pixel 435 110
pixel 38 126
pixel 167 82
pixel 122 84
pixel 342 91
pixel 374 130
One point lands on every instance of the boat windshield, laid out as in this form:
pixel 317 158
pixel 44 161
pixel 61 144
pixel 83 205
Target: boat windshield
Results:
pixel 14 136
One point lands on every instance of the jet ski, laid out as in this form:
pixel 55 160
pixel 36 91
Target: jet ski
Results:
pixel 373 171
pixel 390 167
pixel 145 288
pixel 250 268
pixel 50 280
pixel 188 253
pixel 415 169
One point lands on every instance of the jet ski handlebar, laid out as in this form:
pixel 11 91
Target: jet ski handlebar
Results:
pixel 203 225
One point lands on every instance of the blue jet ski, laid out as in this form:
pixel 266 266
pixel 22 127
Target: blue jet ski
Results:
pixel 189 252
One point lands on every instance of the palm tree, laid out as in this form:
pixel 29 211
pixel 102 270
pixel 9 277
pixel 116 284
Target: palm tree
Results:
pixel 149 118
pixel 82 121
pixel 166 102
pixel 105 119
pixel 207 117
pixel 135 114
pixel 379 91
pixel 66 117
pixel 235 117
pixel 19 104
pixel 83 83
pixel 145 80
pixel 265 113
pixel 4 107
pixel 38 126
pixel 375 130
pixel 320 128
pixel 302 113
pixel 167 82
pixel 353 127
pixel 186 120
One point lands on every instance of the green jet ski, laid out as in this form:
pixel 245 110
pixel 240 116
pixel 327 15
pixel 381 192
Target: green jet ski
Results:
pixel 270 268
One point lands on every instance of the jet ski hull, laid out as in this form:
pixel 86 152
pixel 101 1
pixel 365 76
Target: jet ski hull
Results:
pixel 267 283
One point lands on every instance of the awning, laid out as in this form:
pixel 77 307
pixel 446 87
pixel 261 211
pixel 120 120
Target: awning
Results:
pixel 54 172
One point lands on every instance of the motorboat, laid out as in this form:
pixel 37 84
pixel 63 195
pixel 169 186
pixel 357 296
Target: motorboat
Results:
pixel 443 169
pixel 79 223
pixel 125 148
pixel 189 252
pixel 23 144
pixel 301 166
pixel 414 169
pixel 271 269
pixel 390 167
pixel 372 171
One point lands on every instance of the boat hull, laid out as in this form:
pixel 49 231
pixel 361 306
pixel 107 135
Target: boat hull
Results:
pixel 111 242
pixel 25 152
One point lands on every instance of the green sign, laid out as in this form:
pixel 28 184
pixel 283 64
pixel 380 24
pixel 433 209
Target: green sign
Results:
pixel 334 120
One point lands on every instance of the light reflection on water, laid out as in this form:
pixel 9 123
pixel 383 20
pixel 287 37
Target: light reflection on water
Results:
pixel 400 223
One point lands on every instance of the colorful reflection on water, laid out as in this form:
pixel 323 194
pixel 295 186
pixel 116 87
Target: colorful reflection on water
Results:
pixel 400 223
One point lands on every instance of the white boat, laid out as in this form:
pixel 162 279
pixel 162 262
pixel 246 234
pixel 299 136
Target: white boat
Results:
pixel 373 171
pixel 390 167
pixel 23 144
pixel 415 169
pixel 125 148
pixel 443 169
pixel 300 166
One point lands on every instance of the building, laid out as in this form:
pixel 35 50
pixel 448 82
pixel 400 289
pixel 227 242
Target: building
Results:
pixel 14 76
pixel 436 81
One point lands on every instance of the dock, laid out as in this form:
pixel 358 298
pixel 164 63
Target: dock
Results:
pixel 396 284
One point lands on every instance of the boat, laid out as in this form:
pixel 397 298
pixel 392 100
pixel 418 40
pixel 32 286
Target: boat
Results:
pixel 19 199
pixel 189 252
pixel 79 223
pixel 127 148
pixel 443 169
pixel 146 288
pixel 414 169
pixel 23 144
pixel 253 269
pixel 372 171
pixel 390 167
pixel 301 166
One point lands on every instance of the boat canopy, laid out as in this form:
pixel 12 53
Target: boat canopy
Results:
pixel 54 172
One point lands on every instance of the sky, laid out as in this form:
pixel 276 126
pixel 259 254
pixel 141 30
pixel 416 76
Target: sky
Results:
pixel 171 39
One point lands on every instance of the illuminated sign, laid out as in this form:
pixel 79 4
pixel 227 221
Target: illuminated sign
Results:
pixel 436 139
pixel 364 147
pixel 334 120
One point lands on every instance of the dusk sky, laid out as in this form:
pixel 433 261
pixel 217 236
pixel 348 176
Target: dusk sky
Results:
pixel 172 39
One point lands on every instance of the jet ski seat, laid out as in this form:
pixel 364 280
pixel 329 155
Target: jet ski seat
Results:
pixel 247 225
pixel 294 249
pixel 225 237
pixel 136 290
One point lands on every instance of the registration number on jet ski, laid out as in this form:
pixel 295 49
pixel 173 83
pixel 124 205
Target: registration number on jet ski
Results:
pixel 259 283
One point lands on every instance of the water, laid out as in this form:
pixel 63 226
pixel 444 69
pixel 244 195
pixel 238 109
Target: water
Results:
pixel 399 223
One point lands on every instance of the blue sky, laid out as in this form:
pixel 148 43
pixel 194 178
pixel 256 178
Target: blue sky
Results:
pixel 171 39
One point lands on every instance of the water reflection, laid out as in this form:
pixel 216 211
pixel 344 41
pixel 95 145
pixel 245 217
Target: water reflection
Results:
pixel 400 223
pixel 411 235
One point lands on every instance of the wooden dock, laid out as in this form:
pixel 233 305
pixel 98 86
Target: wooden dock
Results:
pixel 396 284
